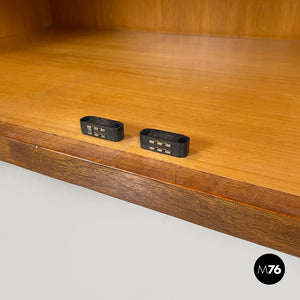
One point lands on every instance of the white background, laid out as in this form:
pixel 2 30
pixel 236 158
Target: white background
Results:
pixel 61 241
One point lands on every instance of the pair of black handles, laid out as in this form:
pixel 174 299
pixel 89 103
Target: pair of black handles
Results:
pixel 164 142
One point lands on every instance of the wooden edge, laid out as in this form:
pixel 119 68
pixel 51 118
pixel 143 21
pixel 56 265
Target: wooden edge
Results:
pixel 207 183
pixel 83 164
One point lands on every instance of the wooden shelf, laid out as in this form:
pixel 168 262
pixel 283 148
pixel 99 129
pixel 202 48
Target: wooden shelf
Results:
pixel 238 100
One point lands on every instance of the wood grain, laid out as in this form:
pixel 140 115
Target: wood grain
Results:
pixel 75 162
pixel 255 18
pixel 18 16
pixel 238 100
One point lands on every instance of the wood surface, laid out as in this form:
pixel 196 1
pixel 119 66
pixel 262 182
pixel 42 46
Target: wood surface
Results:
pixel 18 16
pixel 81 163
pixel 255 18
pixel 237 99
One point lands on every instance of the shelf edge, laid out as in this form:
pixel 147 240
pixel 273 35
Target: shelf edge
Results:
pixel 69 160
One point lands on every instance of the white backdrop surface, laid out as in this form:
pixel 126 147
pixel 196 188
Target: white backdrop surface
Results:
pixel 61 241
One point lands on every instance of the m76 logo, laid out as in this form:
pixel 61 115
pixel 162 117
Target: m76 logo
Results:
pixel 269 269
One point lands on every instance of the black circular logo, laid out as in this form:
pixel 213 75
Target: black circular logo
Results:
pixel 269 269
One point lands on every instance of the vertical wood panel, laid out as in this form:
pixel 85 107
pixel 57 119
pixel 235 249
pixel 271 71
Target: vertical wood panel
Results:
pixel 116 14
pixel 17 16
pixel 256 18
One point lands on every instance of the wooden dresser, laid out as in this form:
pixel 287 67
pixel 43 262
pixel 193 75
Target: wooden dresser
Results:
pixel 226 73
